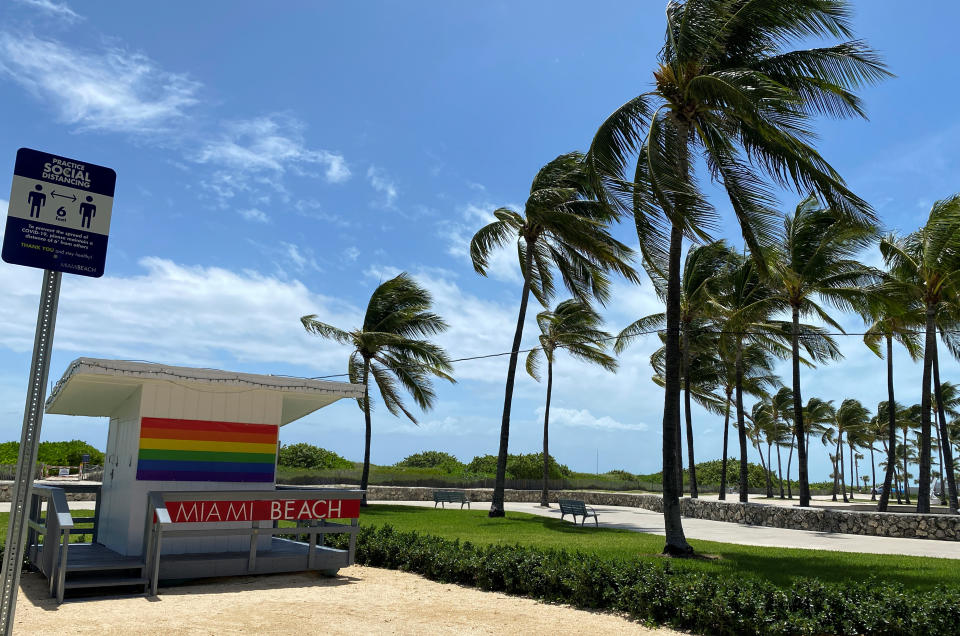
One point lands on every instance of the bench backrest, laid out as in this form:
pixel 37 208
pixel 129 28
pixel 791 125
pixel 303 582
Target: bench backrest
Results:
pixel 449 495
pixel 572 506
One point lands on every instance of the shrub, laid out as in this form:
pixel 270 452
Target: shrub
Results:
pixel 658 593
pixel 305 455
pixel 433 459
pixel 519 466
pixel 531 467
pixel 54 453
pixel 483 465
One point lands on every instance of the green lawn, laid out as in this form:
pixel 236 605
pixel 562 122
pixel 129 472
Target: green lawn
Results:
pixel 778 565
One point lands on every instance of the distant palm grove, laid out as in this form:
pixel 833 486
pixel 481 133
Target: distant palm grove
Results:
pixel 732 103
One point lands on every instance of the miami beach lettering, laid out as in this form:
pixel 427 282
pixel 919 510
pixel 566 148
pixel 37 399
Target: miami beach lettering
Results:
pixel 262 510
pixel 66 172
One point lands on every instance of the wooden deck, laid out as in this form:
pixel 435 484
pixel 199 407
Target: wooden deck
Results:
pixel 83 557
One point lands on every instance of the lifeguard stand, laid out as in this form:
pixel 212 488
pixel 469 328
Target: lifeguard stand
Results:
pixel 189 477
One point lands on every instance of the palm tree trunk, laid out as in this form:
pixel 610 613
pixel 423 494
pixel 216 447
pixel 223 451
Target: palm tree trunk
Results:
pixel 676 542
pixel 741 426
pixel 873 475
pixel 793 439
pixel 836 475
pixel 899 480
pixel 798 411
pixel 365 475
pixel 936 427
pixel 769 468
pixel 843 477
pixel 544 494
pixel 686 412
pixel 780 472
pixel 853 469
pixel 906 474
pixel 891 431
pixel 723 461
pixel 923 495
pixel 496 505
pixel 946 463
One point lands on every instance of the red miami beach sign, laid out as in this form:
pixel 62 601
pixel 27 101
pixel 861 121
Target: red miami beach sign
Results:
pixel 262 510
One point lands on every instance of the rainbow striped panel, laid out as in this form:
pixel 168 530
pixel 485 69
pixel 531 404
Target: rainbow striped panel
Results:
pixel 198 450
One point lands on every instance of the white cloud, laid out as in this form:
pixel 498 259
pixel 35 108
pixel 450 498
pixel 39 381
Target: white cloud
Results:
pixel 351 254
pixel 583 418
pixel 273 143
pixel 55 9
pixel 115 90
pixel 252 155
pixel 383 184
pixel 175 313
pixel 253 214
pixel 301 259
pixel 504 264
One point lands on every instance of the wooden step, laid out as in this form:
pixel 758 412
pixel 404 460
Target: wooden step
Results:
pixel 112 564
pixel 116 581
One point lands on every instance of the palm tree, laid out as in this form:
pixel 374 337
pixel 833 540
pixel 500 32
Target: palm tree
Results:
pixel 947 400
pixel 816 258
pixel 756 376
pixel 925 267
pixel 743 309
pixel 392 346
pixel 701 270
pixel 562 227
pixel 890 318
pixel 764 427
pixel 780 404
pixel 573 326
pixel 729 89
pixel 852 419
pixel 909 419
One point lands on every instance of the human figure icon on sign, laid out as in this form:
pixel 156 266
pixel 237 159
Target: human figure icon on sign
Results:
pixel 37 199
pixel 88 210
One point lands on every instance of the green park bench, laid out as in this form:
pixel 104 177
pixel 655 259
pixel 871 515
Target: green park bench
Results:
pixel 444 497
pixel 577 508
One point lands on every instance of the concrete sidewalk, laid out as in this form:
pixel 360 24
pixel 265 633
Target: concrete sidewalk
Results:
pixel 640 520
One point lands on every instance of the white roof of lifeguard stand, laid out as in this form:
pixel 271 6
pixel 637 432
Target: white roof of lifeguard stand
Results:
pixel 95 387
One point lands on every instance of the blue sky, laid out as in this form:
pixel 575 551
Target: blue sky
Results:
pixel 276 164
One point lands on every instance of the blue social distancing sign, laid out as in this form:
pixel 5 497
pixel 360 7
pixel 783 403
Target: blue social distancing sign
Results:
pixel 59 215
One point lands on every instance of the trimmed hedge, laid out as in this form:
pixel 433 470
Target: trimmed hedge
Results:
pixel 658 593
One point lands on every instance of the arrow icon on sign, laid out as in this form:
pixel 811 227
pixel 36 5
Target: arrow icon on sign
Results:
pixel 72 197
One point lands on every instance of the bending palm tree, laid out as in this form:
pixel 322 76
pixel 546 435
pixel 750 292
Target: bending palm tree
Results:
pixel 851 418
pixel 562 227
pixel 755 377
pixel 816 257
pixel 925 267
pixel 701 273
pixel 392 347
pixel 728 88
pixel 573 326
pixel 743 310
pixel 892 319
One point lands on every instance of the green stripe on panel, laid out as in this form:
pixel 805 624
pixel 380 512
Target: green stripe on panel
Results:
pixel 207 456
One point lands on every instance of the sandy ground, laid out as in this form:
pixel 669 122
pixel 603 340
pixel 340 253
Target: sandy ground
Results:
pixel 359 601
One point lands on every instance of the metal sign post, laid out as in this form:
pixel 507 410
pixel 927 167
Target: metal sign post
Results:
pixel 58 221
pixel 29 444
